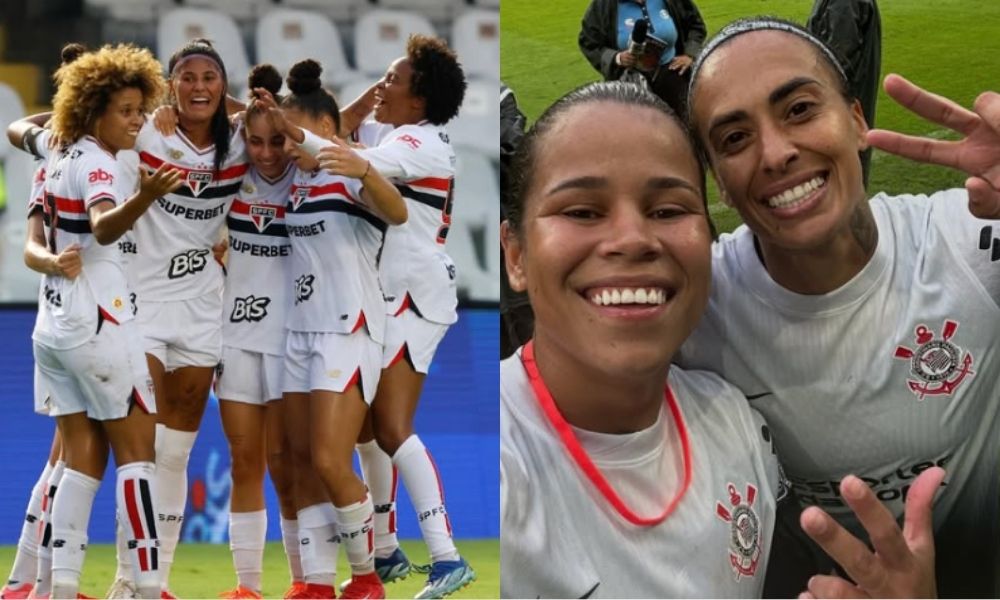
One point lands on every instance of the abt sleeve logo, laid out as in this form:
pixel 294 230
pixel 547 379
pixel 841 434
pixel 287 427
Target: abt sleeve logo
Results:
pixel 188 262
pixel 100 176
pixel 249 309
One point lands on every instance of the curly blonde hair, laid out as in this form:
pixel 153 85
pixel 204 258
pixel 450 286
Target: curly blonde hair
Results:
pixel 85 86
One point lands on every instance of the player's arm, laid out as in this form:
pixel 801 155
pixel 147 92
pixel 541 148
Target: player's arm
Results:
pixel 38 258
pixel 109 221
pixel 355 113
pixel 902 564
pixel 23 134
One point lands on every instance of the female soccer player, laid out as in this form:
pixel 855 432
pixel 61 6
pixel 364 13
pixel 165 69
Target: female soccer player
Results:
pixel 253 336
pixel 87 349
pixel 611 459
pixel 407 142
pixel 863 330
pixel 336 224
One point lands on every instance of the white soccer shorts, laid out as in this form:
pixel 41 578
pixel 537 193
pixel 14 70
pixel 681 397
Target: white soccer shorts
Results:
pixel 411 334
pixel 183 333
pixel 332 361
pixel 250 377
pixel 101 377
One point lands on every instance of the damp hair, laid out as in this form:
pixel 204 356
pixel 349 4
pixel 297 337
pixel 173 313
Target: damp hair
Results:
pixel 71 52
pixel 307 92
pixel 219 125
pixel 263 76
pixel 526 158
pixel 84 86
pixel 437 77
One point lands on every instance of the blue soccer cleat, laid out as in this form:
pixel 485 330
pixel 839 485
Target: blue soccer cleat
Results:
pixel 447 577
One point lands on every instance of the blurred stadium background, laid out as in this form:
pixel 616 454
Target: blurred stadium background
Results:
pixel 354 40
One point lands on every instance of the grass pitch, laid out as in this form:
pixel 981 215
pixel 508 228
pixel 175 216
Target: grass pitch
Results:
pixel 206 570
pixel 948 46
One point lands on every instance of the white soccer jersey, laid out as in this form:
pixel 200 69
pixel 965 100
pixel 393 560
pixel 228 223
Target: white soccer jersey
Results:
pixel 895 371
pixel 70 311
pixel 336 242
pixel 257 283
pixel 415 270
pixel 560 537
pixel 175 236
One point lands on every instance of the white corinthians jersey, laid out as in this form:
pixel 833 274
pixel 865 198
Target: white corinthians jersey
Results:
pixel 175 236
pixel 415 270
pixel 897 370
pixel 336 241
pixel 70 312
pixel 256 296
pixel 560 537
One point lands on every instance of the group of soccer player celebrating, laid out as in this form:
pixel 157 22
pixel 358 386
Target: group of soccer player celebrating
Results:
pixel 285 248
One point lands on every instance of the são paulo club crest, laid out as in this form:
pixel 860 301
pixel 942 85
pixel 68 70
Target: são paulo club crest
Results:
pixel 262 216
pixel 938 364
pixel 745 536
pixel 298 196
pixel 198 181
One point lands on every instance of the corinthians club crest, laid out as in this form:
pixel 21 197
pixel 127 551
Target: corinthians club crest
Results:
pixel 937 364
pixel 745 536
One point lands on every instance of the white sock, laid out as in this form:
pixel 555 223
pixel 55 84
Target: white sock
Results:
pixel 290 538
pixel 423 483
pixel 136 500
pixel 319 541
pixel 25 567
pixel 70 519
pixel 43 580
pixel 247 531
pixel 382 479
pixel 173 449
pixel 124 570
pixel 358 535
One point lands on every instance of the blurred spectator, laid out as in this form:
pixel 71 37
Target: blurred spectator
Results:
pixel 853 29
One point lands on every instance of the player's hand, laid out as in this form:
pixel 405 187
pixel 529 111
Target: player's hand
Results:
pixel 165 180
pixel 165 119
pixel 902 565
pixel 680 64
pixel 68 262
pixel 977 154
pixel 340 159
pixel 266 102
pixel 219 251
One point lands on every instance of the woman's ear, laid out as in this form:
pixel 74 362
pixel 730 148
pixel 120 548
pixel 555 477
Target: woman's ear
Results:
pixel 512 253
pixel 858 117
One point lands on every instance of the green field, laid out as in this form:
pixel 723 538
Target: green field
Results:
pixel 205 570
pixel 952 47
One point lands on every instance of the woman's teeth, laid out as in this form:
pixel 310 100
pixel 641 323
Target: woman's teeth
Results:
pixel 795 195
pixel 610 297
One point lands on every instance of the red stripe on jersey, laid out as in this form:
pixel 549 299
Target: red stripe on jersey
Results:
pixel 70 205
pixel 438 183
pixel 100 198
pixel 232 172
pixel 243 208
pixel 582 459
pixel 336 187
pixel 405 305
pixel 399 356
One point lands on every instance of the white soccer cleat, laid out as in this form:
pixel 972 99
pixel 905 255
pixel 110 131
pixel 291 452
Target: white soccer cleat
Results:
pixel 121 589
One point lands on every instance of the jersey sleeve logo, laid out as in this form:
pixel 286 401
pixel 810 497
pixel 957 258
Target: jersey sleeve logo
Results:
pixel 745 535
pixel 198 181
pixel 937 364
pixel 409 140
pixel 100 176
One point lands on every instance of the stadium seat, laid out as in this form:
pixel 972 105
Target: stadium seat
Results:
pixel 184 24
pixel 437 10
pixel 380 38
pixel 348 92
pixel 286 36
pixel 476 39
pixel 338 10
pixel 474 237
pixel 478 121
pixel 241 10
pixel 127 10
